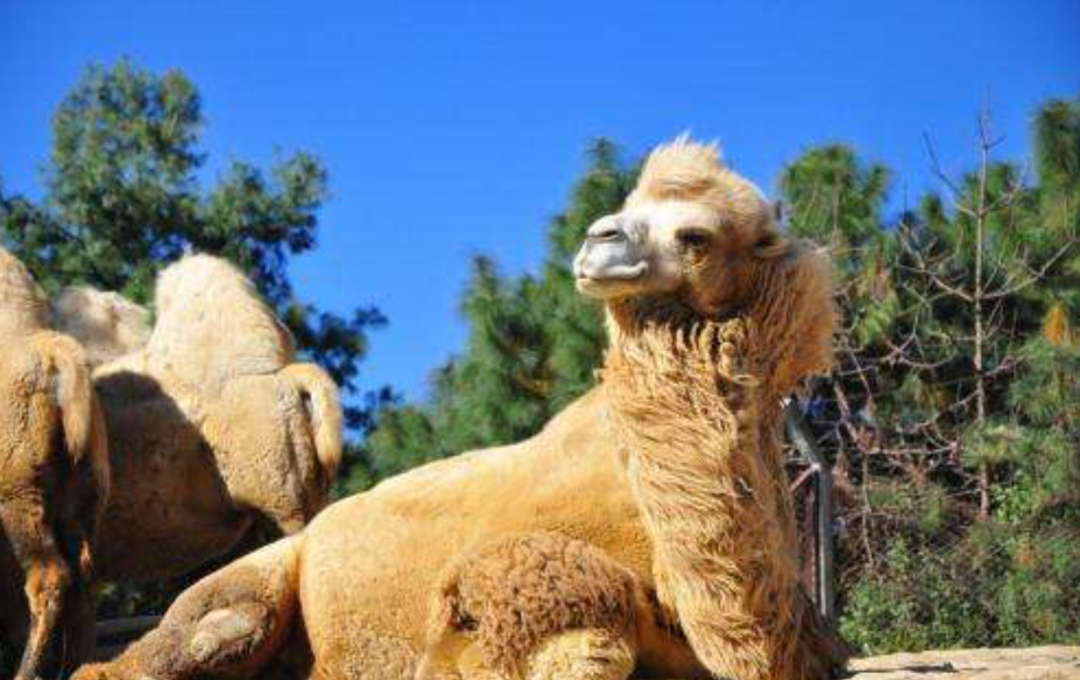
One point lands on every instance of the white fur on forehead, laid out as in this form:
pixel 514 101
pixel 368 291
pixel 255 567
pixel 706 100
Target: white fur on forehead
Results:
pixel 212 324
pixel 23 308
pixel 107 324
pixel 691 170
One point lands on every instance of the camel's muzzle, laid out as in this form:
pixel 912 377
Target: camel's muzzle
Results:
pixel 610 253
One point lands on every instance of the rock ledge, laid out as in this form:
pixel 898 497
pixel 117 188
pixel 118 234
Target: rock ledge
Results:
pixel 1035 663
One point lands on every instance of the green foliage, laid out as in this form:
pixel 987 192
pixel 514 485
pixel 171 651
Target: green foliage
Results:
pixel 1057 159
pixel 1001 586
pixel 918 601
pixel 834 198
pixel 956 578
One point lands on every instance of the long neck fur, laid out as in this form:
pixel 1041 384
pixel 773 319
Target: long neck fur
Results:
pixel 695 402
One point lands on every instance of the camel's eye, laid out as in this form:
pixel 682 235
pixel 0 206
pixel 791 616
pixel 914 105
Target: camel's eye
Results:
pixel 693 239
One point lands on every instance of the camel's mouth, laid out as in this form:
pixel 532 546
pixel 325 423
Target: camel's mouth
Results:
pixel 612 282
pixel 618 272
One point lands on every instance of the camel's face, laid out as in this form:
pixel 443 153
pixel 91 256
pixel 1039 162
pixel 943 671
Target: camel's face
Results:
pixel 691 250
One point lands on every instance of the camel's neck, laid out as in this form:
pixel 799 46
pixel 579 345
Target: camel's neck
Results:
pixel 696 411
pixel 695 394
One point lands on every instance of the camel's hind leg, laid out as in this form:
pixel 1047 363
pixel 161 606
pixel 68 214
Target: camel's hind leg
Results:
pixel 47 578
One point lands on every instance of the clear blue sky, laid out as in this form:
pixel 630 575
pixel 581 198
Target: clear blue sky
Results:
pixel 451 128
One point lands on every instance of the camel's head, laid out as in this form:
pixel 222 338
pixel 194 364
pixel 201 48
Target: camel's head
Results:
pixel 692 231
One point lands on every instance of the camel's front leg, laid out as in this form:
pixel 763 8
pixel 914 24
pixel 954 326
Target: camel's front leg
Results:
pixel 230 624
pixel 47 578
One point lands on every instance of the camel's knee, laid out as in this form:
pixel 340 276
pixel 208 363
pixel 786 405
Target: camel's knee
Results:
pixel 46 587
pixel 102 671
pixel 584 654
pixel 229 634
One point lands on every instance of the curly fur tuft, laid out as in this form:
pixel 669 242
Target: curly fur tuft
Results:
pixel 512 594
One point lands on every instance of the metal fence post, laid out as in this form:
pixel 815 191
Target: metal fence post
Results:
pixel 798 434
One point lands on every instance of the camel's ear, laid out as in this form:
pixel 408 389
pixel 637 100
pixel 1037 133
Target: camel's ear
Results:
pixel 778 211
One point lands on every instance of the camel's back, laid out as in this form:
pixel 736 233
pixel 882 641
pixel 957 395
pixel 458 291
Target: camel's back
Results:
pixel 370 562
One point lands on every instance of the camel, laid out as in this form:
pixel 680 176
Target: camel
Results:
pixel 213 425
pixel 670 467
pixel 54 480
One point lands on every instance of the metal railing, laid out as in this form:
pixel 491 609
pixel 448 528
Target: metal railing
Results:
pixel 819 574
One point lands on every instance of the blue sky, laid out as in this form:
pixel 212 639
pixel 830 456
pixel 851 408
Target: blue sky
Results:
pixel 454 128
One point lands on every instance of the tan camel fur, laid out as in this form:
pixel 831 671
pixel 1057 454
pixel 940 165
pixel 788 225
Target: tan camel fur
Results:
pixel 671 467
pixel 54 480
pixel 497 606
pixel 107 325
pixel 212 424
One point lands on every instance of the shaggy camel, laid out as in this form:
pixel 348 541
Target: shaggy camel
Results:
pixel 212 425
pixel 54 480
pixel 671 467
